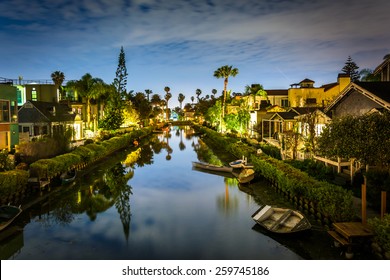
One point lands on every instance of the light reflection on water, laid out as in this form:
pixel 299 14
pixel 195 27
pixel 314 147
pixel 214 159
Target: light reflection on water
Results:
pixel 174 212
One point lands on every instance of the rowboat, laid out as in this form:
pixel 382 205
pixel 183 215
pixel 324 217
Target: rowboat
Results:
pixel 240 163
pixel 68 177
pixel 245 176
pixel 281 220
pixel 212 167
pixel 8 213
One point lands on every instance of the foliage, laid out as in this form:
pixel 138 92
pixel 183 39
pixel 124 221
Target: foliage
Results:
pixel 5 162
pixel 12 182
pixel 364 138
pixel 225 72
pixel 214 114
pixel 350 68
pixel 315 169
pixel 270 150
pixel 120 80
pixel 381 230
pixel 331 200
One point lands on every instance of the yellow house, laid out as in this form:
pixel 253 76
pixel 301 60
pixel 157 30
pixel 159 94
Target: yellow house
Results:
pixel 304 94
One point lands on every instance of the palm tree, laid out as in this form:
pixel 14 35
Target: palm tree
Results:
pixel 58 78
pixel 89 88
pixel 148 92
pixel 181 98
pixel 225 72
pixel 192 99
pixel 214 92
pixel 167 96
pixel 198 92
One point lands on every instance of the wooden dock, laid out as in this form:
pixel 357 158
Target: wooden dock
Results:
pixel 349 234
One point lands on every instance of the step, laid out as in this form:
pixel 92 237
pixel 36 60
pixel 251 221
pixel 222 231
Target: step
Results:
pixel 336 236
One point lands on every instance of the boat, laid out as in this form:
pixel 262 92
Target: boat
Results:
pixel 212 167
pixel 240 163
pixel 245 176
pixel 8 213
pixel 281 220
pixel 68 177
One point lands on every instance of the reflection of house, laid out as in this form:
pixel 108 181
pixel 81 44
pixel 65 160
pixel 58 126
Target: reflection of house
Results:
pixel 38 118
pixel 304 94
pixel 360 98
pixel 9 135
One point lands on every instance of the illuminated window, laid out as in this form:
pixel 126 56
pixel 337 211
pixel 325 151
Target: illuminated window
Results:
pixel 34 96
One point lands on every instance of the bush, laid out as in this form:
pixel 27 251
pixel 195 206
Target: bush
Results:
pixel 381 230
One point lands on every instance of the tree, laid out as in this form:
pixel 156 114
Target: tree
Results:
pixel 148 92
pixel 350 68
pixel 167 96
pixel 365 138
pixel 120 80
pixel 198 92
pixel 58 78
pixel 181 98
pixel 367 75
pixel 225 72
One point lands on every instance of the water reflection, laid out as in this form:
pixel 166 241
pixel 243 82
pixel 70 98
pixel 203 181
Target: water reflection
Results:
pixel 148 203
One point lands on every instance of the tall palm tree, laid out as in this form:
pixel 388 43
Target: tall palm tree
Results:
pixel 58 78
pixel 148 92
pixel 225 72
pixel 198 92
pixel 167 96
pixel 181 98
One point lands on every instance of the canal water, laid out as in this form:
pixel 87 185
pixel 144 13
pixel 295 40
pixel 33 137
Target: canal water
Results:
pixel 149 203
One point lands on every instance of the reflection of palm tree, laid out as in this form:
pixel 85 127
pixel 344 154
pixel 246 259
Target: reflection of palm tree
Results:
pixel 226 203
pixel 181 144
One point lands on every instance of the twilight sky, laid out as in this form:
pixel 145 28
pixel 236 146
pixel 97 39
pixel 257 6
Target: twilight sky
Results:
pixel 180 43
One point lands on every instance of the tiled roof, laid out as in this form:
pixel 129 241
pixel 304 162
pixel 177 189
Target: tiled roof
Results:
pixel 43 112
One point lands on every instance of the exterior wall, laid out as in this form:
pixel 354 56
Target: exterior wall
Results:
pixel 354 104
pixel 46 93
pixel 297 96
pixel 9 133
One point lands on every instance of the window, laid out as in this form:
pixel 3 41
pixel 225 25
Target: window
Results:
pixel 4 111
pixel 34 96
pixel 311 101
pixel 284 103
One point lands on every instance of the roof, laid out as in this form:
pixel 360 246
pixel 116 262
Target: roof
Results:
pixel 379 68
pixel 329 86
pixel 275 92
pixel 306 81
pixel 285 115
pixel 45 112
pixel 379 92
pixel 304 110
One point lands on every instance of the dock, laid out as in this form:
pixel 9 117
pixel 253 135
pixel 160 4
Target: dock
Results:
pixel 349 234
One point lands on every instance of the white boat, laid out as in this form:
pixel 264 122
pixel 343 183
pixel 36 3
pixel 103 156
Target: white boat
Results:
pixel 281 220
pixel 245 176
pixel 212 167
pixel 240 163
pixel 8 213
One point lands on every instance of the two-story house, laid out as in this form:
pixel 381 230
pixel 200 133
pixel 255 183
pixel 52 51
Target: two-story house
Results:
pixel 9 133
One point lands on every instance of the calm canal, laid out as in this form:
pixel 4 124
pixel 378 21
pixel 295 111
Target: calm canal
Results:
pixel 151 204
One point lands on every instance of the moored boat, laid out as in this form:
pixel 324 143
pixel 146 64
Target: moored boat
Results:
pixel 240 163
pixel 212 167
pixel 68 177
pixel 245 176
pixel 281 220
pixel 8 214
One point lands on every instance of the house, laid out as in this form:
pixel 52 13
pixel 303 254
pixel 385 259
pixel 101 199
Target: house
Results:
pixel 360 98
pixel 304 94
pixel 9 133
pixel 41 92
pixel 37 118
pixel 383 70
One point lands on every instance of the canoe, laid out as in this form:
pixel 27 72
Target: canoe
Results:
pixel 281 220
pixel 245 176
pixel 68 177
pixel 212 167
pixel 8 213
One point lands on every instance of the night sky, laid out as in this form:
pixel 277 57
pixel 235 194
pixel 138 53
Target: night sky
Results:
pixel 181 43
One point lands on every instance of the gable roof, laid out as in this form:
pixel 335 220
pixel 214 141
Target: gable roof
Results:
pixel 379 68
pixel 285 115
pixel 45 112
pixel 378 92
pixel 303 110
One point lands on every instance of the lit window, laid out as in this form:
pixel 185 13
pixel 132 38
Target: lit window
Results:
pixel 34 96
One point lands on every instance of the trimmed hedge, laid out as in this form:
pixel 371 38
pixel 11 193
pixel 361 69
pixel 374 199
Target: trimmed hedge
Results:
pixel 331 201
pixel 84 155
pixel 12 182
